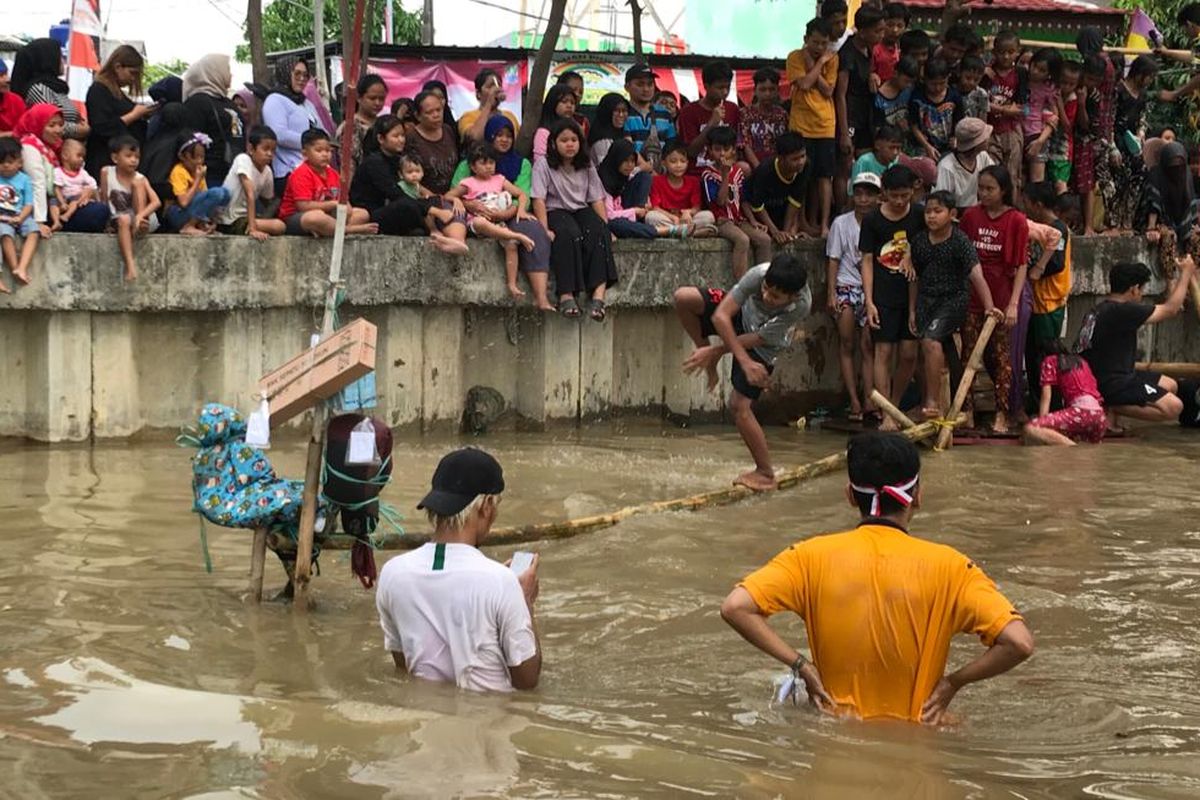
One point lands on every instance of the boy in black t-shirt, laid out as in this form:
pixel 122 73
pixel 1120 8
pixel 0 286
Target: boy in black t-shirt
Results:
pixel 776 190
pixel 853 96
pixel 1108 340
pixel 947 268
pixel 884 243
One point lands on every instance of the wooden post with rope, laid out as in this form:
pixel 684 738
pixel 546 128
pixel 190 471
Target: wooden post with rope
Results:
pixel 973 365
pixel 903 420
pixel 258 560
pixel 316 439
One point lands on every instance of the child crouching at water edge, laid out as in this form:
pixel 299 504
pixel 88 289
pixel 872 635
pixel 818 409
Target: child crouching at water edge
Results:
pixel 1081 418
pixel 755 321
pixel 310 199
pixel 627 223
pixel 251 186
pixel 130 197
pixel 195 204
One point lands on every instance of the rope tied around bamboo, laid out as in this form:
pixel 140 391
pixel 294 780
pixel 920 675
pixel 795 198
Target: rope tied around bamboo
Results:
pixel 570 528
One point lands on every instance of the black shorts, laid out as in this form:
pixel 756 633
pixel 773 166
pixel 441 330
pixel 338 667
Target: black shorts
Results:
pixel 862 136
pixel 1139 389
pixel 939 318
pixel 712 299
pixel 822 157
pixel 1189 393
pixel 893 326
pixel 292 226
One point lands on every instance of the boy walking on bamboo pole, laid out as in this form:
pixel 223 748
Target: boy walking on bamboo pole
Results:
pixel 755 321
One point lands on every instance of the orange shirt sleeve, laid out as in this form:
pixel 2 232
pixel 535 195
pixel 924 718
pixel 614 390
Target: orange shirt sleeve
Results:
pixel 980 607
pixel 795 66
pixel 780 585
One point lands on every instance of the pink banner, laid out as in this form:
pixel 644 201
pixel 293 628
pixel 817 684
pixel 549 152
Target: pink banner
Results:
pixel 405 77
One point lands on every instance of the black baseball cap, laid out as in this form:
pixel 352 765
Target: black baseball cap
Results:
pixel 639 70
pixel 460 477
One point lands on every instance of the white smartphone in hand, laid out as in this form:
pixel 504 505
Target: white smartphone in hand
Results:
pixel 521 561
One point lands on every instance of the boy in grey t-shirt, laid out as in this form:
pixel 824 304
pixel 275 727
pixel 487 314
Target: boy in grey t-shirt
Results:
pixel 755 321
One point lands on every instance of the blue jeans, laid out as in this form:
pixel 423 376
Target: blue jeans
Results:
pixel 92 218
pixel 203 206
pixel 630 229
pixel 636 193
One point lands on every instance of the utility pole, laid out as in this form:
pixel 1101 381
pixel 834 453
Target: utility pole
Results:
pixel 427 24
pixel 635 8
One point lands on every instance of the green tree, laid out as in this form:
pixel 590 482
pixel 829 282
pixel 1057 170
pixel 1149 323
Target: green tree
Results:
pixel 156 72
pixel 287 25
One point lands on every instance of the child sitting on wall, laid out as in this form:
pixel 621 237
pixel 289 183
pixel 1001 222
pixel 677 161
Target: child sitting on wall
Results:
pixel 16 213
pixel 76 191
pixel 311 197
pixel 251 184
pixel 130 197
pixel 195 204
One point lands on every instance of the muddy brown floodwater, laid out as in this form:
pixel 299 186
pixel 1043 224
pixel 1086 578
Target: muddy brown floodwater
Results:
pixel 126 671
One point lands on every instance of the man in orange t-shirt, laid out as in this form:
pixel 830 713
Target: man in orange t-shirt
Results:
pixel 879 605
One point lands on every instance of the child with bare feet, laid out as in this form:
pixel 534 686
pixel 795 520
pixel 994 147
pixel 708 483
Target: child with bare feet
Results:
pixel 192 211
pixel 130 197
pixel 497 194
pixel 946 267
pixel 446 226
pixel 310 199
pixel 755 321
pixel 1082 416
pixel 16 212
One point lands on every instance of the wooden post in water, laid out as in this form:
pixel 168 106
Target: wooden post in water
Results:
pixel 944 398
pixel 974 363
pixel 258 559
pixel 316 439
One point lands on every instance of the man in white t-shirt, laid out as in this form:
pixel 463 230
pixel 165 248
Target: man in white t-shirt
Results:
pixel 450 613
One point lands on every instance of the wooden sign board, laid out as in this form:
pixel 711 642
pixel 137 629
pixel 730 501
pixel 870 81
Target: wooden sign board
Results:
pixel 318 374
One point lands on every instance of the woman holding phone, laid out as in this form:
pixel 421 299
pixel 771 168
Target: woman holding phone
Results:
pixel 113 106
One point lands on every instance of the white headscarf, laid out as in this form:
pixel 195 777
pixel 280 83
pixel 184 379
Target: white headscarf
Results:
pixel 210 75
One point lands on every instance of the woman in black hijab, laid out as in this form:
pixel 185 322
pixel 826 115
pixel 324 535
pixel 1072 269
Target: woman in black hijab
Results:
pixel 1169 210
pixel 37 77
pixel 439 88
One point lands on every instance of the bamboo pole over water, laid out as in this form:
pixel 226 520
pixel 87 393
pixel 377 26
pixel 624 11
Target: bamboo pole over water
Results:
pixel 974 363
pixel 258 558
pixel 1172 369
pixel 569 528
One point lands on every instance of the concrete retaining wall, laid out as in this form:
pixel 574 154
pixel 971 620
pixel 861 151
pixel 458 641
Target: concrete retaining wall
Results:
pixel 87 355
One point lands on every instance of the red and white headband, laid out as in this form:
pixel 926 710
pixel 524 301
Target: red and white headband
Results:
pixel 901 493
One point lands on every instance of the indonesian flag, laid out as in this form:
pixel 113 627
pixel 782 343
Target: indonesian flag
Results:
pixel 1142 32
pixel 83 47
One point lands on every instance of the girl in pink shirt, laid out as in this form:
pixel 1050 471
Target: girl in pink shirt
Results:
pixel 496 193
pixel 1081 419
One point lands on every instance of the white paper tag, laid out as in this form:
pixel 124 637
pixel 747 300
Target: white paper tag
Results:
pixel 314 340
pixel 362 448
pixel 258 428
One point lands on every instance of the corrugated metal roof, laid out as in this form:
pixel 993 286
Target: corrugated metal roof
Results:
pixel 1039 6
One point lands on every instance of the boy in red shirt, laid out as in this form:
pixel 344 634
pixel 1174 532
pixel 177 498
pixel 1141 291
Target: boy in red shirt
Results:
pixel 675 195
pixel 11 105
pixel 886 54
pixel 310 200
pixel 1005 89
pixel 710 112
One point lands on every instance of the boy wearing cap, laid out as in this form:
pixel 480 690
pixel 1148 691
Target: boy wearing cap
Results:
pixel 643 114
pixel 958 172
pixel 883 655
pixel 843 283
pixel 448 612
pixel 755 322
pixel 11 105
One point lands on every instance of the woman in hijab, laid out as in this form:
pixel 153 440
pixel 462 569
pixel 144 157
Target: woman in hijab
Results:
pixel 111 112
pixel 206 99
pixel 608 127
pixel 289 113
pixel 37 78
pixel 40 132
pixel 1168 208
pixel 535 263
pixel 439 88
